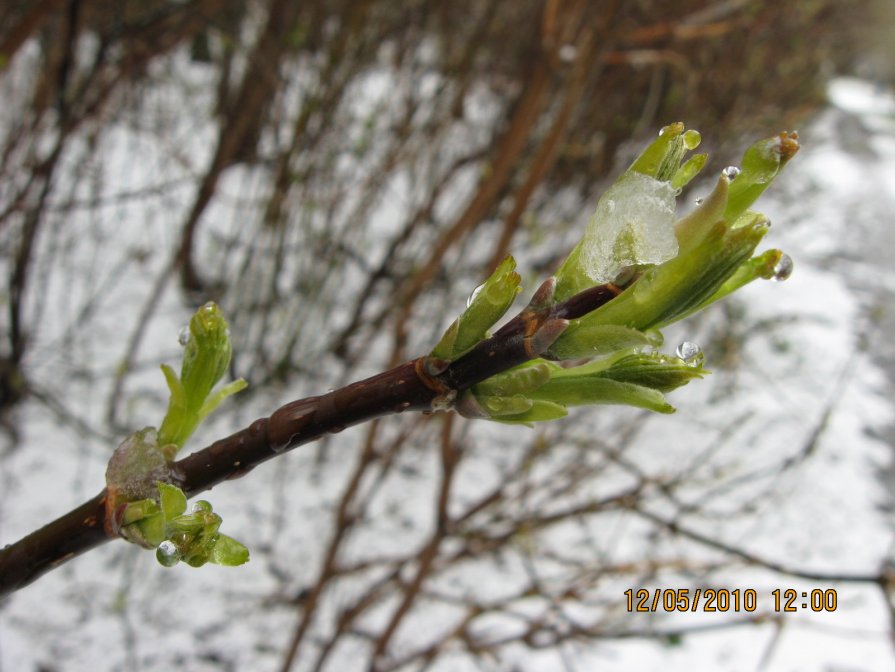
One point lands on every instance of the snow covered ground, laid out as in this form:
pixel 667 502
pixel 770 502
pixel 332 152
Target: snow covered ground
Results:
pixel 801 480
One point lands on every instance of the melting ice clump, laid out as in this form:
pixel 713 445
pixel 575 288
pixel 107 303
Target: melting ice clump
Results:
pixel 633 224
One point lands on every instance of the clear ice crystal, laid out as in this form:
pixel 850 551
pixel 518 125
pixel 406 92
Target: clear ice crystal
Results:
pixel 633 224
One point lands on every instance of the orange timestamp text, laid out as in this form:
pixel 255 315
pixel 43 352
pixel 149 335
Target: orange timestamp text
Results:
pixel 724 599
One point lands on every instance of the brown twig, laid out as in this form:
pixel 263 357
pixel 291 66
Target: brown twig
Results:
pixel 422 384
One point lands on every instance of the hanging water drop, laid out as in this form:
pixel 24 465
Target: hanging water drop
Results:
pixel 183 336
pixel 474 294
pixel 690 353
pixel 731 172
pixel 692 139
pixel 167 554
pixel 201 505
pixel 783 268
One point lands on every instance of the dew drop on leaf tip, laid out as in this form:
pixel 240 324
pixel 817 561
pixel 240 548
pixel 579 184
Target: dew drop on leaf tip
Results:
pixel 690 353
pixel 731 172
pixel 783 268
pixel 167 554
pixel 183 336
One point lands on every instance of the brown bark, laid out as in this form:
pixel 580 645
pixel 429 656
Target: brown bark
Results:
pixel 421 384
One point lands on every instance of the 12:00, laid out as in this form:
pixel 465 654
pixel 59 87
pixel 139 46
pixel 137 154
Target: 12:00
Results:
pixel 816 600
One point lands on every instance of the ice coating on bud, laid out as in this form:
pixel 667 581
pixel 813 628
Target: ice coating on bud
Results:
pixel 633 224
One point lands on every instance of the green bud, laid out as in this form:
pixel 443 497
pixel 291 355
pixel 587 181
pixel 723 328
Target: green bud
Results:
pixel 541 410
pixel 587 390
pixel 518 380
pixel 486 306
pixel 761 163
pixel 666 293
pixel 629 225
pixel 206 354
pixel 656 371
pixel 596 341
pixel 499 406
pixel 662 157
pixel 206 358
pixel 692 229
pixel 770 265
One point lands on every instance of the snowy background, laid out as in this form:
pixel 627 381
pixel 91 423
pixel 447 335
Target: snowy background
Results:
pixel 783 455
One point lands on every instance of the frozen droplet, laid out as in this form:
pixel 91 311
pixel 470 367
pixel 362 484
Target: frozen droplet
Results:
pixel 567 53
pixel 690 353
pixel 633 224
pixel 783 268
pixel 167 554
pixel 474 294
pixel 692 139
pixel 731 172
pixel 201 505
pixel 183 336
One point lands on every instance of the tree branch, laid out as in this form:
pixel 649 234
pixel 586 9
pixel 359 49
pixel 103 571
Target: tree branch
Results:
pixel 423 384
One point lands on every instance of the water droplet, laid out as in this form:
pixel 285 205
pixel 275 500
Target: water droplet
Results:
pixel 699 200
pixel 690 353
pixel 567 53
pixel 783 268
pixel 654 337
pixel 167 554
pixel 201 505
pixel 662 130
pixel 474 294
pixel 183 336
pixel 692 139
pixel 731 172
